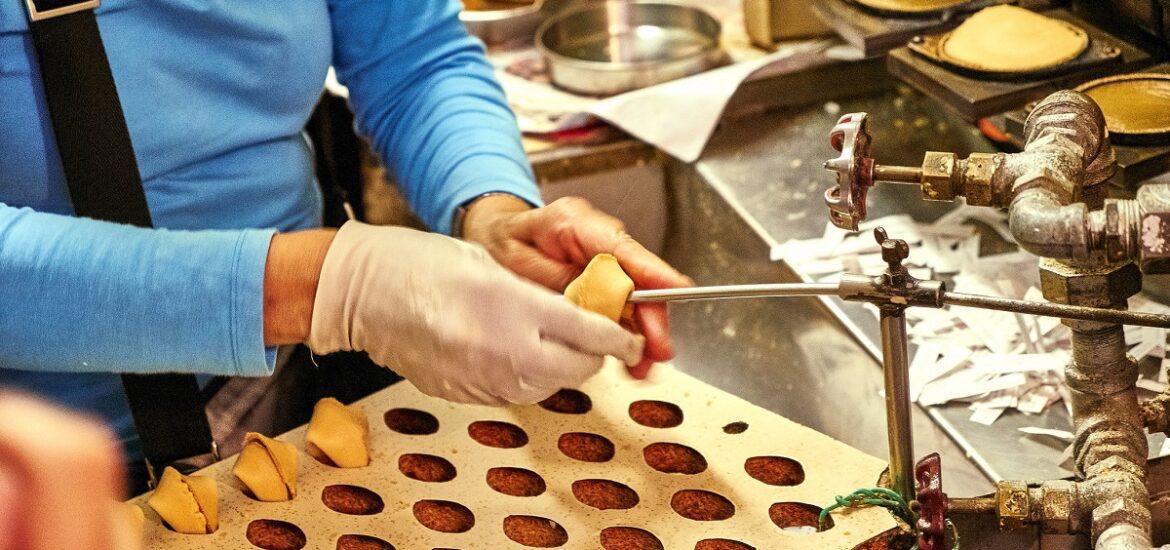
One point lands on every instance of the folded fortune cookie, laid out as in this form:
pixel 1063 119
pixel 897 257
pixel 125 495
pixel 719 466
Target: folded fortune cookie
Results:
pixel 602 288
pixel 268 468
pixel 189 504
pixel 338 434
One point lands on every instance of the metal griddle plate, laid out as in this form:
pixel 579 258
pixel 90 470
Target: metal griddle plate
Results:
pixel 1136 106
pixel 830 468
pixel 877 31
pixel 1097 52
pixel 920 8
pixel 977 96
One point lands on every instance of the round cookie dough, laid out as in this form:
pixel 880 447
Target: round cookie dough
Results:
pixel 1007 39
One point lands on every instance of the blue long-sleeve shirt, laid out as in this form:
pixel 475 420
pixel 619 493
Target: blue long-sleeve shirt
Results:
pixel 216 94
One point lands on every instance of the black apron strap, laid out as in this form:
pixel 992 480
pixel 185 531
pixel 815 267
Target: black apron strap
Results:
pixel 105 184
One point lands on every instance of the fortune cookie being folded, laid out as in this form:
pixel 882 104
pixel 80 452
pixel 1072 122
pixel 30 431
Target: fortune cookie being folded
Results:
pixel 603 288
pixel 189 504
pixel 268 468
pixel 338 434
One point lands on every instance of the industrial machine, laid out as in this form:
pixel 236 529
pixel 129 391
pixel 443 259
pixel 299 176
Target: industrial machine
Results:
pixel 1094 253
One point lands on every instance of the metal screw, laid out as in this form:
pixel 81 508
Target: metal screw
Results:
pixel 893 250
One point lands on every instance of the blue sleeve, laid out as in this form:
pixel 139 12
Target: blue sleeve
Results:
pixel 78 295
pixel 424 93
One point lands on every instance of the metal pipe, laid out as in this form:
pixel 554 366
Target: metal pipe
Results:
pixel 897 381
pixel 733 291
pixel 1123 536
pixel 972 506
pixel 1063 311
pixel 897 174
pixel 1109 446
pixel 1044 226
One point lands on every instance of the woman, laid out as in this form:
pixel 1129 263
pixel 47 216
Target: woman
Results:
pixel 215 95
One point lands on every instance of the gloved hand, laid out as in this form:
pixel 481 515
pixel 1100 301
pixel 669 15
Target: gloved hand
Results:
pixel 551 245
pixel 451 320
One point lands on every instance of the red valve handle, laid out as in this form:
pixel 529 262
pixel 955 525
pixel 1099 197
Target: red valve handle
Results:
pixel 932 513
pixel 854 170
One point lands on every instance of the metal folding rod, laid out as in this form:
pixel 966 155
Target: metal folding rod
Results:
pixel 734 291
pixel 1046 309
pixel 1063 311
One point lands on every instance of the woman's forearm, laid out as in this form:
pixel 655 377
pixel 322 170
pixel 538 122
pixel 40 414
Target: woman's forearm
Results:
pixel 290 284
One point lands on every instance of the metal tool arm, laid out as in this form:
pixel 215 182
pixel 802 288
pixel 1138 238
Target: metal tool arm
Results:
pixel 875 293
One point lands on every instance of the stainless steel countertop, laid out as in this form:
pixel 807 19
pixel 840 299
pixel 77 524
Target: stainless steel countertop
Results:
pixel 759 184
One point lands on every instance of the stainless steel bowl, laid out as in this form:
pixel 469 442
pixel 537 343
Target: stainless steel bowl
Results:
pixel 515 20
pixel 605 48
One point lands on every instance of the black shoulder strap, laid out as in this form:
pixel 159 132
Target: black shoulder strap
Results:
pixel 105 184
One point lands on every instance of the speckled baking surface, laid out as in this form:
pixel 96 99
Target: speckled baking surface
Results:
pixel 831 468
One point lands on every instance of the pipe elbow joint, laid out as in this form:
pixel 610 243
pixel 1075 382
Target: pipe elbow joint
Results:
pixel 1045 227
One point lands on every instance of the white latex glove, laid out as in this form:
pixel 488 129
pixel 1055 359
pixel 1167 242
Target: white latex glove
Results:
pixel 443 314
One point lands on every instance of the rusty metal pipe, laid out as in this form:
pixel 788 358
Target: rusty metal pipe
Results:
pixel 1045 227
pixel 1110 444
pixel 1066 153
pixel 1123 536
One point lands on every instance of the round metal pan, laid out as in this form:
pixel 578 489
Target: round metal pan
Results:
pixel 610 47
pixel 506 20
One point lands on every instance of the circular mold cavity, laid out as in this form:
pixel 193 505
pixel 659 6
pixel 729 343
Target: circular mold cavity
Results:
pixel 775 470
pixel 411 421
pixel 722 544
pixel 656 414
pixel 271 534
pixel 629 538
pixel 735 428
pixel 894 539
pixel 444 516
pixel 586 447
pixel 501 435
pixel 535 532
pixel 516 482
pixel 699 505
pixel 351 500
pixel 568 401
pixel 362 542
pixel 428 468
pixel 793 516
pixel 604 494
pixel 672 458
